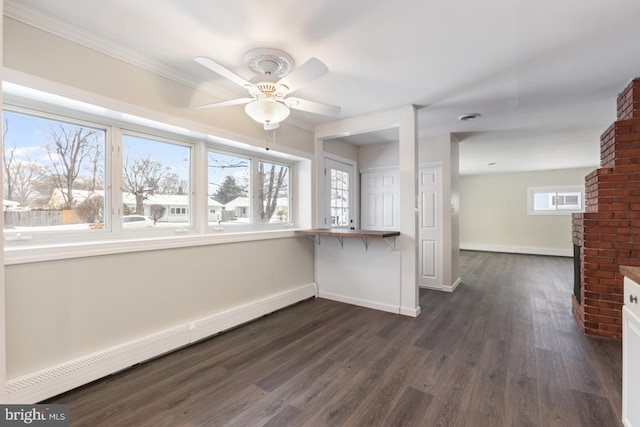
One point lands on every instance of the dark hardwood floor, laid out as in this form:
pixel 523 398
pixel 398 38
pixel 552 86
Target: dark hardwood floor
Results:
pixel 502 350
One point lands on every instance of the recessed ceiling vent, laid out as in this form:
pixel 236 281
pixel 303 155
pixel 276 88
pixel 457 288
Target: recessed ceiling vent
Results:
pixel 468 117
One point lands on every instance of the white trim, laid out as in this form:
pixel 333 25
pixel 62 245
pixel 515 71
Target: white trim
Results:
pixel 22 255
pixel 431 287
pixel 360 302
pixel 516 249
pixel 451 288
pixel 48 382
pixel 411 312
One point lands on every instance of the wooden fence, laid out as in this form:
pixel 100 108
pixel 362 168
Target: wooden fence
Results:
pixel 32 218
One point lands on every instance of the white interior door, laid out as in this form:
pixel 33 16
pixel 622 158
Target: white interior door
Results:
pixel 430 227
pixel 379 205
pixel 340 186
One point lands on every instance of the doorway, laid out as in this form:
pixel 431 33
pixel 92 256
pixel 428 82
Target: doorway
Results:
pixel 430 226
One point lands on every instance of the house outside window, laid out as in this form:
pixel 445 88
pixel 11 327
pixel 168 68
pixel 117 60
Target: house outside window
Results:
pixel 156 177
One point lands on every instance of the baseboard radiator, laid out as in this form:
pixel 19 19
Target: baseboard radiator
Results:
pixel 49 382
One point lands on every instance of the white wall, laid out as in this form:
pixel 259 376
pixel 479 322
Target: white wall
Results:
pixel 381 155
pixel 493 213
pixel 59 310
pixel 341 149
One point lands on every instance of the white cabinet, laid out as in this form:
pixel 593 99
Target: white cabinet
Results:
pixel 631 354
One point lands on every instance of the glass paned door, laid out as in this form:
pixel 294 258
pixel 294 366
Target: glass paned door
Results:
pixel 340 191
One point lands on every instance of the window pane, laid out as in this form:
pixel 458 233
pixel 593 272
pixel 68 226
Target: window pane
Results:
pixel 273 184
pixel 54 174
pixel 542 201
pixel 156 181
pixel 228 187
pixel 551 201
pixel 339 198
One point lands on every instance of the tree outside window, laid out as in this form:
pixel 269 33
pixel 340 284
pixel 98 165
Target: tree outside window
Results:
pixel 273 185
pixel 53 173
pixel 156 175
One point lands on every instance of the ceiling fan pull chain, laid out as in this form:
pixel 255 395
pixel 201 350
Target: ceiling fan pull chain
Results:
pixel 270 136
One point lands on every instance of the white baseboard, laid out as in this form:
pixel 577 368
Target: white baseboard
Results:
pixel 517 249
pixel 411 312
pixel 453 287
pixel 51 381
pixel 443 288
pixel 360 302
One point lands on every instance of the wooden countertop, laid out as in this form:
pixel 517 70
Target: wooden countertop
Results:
pixel 632 273
pixel 365 234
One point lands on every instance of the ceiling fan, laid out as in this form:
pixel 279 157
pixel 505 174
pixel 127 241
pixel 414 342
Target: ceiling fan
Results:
pixel 276 79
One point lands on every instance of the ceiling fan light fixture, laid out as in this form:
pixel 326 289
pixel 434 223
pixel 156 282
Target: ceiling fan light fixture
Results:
pixel 267 111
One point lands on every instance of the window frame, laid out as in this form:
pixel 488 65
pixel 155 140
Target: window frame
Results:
pixel 113 238
pixel 254 224
pixel 533 191
pixel 52 236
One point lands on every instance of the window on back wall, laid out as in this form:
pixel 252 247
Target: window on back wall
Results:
pixel 156 180
pixel 54 175
pixel 555 200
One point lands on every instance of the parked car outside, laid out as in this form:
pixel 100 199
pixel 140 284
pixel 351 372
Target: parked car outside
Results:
pixel 138 221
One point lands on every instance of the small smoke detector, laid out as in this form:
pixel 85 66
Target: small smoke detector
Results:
pixel 270 62
pixel 468 117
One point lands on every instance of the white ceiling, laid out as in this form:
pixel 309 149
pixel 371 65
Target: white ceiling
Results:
pixel 544 74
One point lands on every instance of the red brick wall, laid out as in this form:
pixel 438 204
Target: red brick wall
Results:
pixel 629 101
pixel 609 230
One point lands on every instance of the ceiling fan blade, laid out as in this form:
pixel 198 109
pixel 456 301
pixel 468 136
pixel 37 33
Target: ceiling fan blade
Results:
pixel 225 103
pixel 311 106
pixel 304 74
pixel 224 72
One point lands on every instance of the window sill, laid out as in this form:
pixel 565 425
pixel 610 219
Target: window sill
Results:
pixel 51 252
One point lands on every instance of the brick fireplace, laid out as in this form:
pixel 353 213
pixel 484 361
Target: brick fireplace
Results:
pixel 607 234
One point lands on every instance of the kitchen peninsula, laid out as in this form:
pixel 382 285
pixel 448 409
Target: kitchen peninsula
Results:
pixel 359 267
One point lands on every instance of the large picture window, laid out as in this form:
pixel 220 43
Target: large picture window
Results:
pixel 54 174
pixel 156 180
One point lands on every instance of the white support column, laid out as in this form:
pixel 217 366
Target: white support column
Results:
pixel 408 146
pixel 318 205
